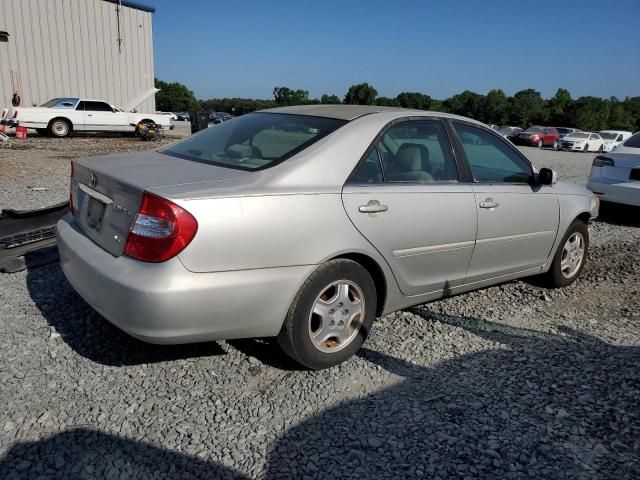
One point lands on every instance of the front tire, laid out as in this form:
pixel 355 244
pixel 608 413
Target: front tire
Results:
pixel 570 257
pixel 586 148
pixel 601 149
pixel 59 127
pixel 330 317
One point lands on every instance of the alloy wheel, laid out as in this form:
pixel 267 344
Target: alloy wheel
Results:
pixel 572 255
pixel 337 316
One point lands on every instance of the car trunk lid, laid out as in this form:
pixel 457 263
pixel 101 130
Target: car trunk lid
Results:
pixel 107 191
pixel 624 163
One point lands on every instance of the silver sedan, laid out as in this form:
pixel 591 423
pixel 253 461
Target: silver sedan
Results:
pixel 308 222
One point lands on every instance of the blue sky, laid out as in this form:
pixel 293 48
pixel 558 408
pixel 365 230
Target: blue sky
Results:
pixel 245 48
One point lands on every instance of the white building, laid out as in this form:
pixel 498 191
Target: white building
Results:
pixel 99 49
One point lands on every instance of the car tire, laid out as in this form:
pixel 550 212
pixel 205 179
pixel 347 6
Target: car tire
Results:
pixel 586 148
pixel 59 127
pixel 539 143
pixel 331 315
pixel 601 149
pixel 570 258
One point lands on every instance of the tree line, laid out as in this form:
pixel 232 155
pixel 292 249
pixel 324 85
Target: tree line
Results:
pixel 523 109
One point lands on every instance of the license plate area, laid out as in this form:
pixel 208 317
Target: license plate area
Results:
pixel 95 213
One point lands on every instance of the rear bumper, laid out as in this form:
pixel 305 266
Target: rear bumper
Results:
pixel 165 303
pixel 615 191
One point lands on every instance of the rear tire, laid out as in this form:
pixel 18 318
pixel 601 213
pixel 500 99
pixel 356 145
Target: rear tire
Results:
pixel 570 257
pixel 59 127
pixel 331 315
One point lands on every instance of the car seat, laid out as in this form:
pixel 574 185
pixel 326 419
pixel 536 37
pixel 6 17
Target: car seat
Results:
pixel 411 163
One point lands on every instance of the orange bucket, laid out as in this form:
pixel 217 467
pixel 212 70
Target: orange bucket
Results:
pixel 21 133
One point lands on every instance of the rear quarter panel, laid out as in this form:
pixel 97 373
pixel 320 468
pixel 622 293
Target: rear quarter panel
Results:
pixel 240 233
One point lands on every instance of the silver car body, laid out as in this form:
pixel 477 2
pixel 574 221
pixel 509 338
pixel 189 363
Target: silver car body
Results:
pixel 262 233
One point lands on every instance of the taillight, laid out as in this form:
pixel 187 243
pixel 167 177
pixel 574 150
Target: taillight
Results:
pixel 160 230
pixel 71 205
pixel 600 161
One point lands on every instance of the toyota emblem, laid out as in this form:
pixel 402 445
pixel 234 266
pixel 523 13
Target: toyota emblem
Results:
pixel 93 180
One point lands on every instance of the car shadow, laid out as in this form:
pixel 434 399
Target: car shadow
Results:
pixel 528 405
pixel 89 334
pixel 618 214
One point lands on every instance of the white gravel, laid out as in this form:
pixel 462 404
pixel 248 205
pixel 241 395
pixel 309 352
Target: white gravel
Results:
pixel 513 381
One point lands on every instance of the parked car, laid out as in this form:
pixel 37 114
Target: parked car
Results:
pixel 61 116
pixel 615 177
pixel 583 141
pixel 183 117
pixel 171 115
pixel 538 137
pixel 219 117
pixel 613 138
pixel 510 132
pixel 255 229
pixel 563 132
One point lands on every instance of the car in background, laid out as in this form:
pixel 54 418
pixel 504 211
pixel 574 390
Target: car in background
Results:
pixel 615 177
pixel 183 116
pixel 171 115
pixel 537 136
pixel 613 138
pixel 583 142
pixel 563 132
pixel 219 117
pixel 509 132
pixel 61 116
pixel 306 223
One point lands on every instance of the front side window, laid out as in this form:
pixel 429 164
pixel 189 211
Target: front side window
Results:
pixel 254 141
pixel 491 160
pixel 417 151
pixel 97 107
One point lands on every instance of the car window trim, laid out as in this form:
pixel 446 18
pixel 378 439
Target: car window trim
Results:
pixel 378 137
pixel 463 155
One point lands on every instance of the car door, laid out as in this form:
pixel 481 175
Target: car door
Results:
pixel 407 200
pixel 517 222
pixel 99 116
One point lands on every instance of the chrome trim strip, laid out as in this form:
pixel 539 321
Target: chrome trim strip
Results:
pixel 97 195
pixel 409 252
pixel 510 238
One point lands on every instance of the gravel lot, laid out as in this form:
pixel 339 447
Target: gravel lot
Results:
pixel 512 381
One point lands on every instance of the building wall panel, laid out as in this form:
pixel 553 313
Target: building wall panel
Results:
pixel 70 48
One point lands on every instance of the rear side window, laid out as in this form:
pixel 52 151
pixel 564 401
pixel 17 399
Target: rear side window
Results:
pixel 633 142
pixel 491 160
pixel 254 141
pixel 417 151
pixel 369 171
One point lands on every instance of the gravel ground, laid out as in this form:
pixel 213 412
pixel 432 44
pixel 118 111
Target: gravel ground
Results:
pixel 512 381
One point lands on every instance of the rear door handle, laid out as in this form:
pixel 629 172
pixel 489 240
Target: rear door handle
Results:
pixel 489 203
pixel 373 206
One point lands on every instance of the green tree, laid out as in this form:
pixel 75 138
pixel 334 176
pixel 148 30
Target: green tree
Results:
pixel 361 94
pixel 495 107
pixel 286 96
pixel 387 102
pixel 330 99
pixel 559 106
pixel 467 103
pixel 591 113
pixel 415 100
pixel 174 97
pixel 632 107
pixel 528 108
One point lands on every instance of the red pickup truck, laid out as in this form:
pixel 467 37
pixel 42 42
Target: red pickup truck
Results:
pixel 538 137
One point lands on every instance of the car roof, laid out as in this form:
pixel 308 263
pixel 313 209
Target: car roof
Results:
pixel 351 112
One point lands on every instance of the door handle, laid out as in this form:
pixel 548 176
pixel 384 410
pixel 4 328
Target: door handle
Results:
pixel 489 203
pixel 372 206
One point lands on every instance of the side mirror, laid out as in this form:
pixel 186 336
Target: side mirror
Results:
pixel 546 176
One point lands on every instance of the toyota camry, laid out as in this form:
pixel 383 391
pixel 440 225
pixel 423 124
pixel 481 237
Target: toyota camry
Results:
pixel 307 223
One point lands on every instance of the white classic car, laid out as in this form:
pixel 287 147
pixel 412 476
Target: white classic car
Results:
pixel 61 116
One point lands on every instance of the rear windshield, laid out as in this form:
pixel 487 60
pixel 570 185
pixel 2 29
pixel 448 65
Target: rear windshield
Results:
pixel 633 142
pixel 255 141
pixel 563 130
